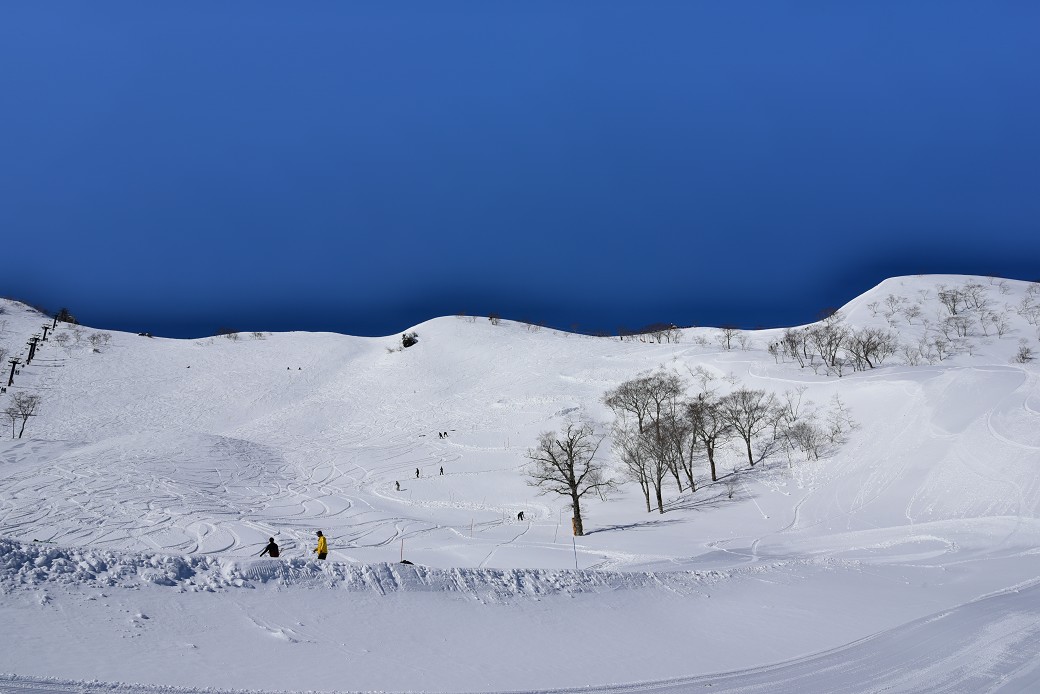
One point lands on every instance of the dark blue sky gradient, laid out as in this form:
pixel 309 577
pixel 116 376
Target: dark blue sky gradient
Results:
pixel 361 167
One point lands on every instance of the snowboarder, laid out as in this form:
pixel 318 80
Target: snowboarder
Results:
pixel 520 516
pixel 271 548
pixel 397 485
pixel 323 547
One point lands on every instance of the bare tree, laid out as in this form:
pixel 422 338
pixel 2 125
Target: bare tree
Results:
pixel 794 345
pixel 631 450
pixel 748 412
pixel 960 324
pixel 710 426
pixel 951 299
pixel 1001 323
pixel 663 390
pixel 629 398
pixel 566 464
pixel 726 335
pixel 12 413
pixel 807 436
pixel 912 312
pixel 828 338
pixel 680 430
pixel 975 296
pixel 943 347
pixel 911 355
pixel 652 457
pixel 871 346
pixel 839 421
pixel 23 405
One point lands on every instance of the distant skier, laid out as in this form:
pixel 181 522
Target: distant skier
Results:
pixel 323 547
pixel 271 548
pixel 520 516
pixel 416 473
pixel 442 469
pixel 397 485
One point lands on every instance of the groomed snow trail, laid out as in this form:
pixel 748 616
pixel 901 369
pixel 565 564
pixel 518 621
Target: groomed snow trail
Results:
pixel 987 645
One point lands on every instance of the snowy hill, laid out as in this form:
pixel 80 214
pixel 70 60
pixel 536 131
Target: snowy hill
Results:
pixel 154 470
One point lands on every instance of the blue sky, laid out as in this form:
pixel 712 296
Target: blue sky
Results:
pixel 363 166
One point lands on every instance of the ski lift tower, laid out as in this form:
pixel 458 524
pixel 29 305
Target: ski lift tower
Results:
pixel 32 348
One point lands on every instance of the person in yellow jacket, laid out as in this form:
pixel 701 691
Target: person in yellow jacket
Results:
pixel 323 547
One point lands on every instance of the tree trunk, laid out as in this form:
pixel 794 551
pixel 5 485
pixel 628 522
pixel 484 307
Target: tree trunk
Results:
pixel 750 457
pixel 711 463
pixel 22 430
pixel 646 493
pixel 660 501
pixel 576 520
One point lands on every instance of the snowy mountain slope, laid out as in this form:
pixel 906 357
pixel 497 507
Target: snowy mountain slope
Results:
pixel 170 462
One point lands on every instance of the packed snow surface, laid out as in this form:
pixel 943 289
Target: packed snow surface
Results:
pixel 133 509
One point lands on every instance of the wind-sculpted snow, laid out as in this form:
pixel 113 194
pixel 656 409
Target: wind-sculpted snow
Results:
pixel 24 565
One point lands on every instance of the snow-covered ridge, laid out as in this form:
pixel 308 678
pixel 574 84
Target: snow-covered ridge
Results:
pixel 155 471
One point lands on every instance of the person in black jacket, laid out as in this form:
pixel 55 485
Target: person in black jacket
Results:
pixel 271 548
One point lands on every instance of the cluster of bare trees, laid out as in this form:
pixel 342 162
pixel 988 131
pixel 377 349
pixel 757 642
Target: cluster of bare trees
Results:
pixel 99 341
pixel 68 340
pixel 657 333
pixel 972 310
pixel 663 432
pixel 835 347
pixel 22 407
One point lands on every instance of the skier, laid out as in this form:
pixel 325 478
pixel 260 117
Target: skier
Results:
pixel 416 473
pixel 323 547
pixel 271 548
pixel 520 516
pixel 398 485
pixel 442 469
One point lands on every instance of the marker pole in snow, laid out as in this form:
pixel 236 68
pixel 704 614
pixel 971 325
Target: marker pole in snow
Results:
pixel 575 548
pixel 402 549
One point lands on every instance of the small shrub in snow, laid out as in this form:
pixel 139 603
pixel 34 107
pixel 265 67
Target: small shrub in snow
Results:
pixel 409 339
pixel 1024 354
